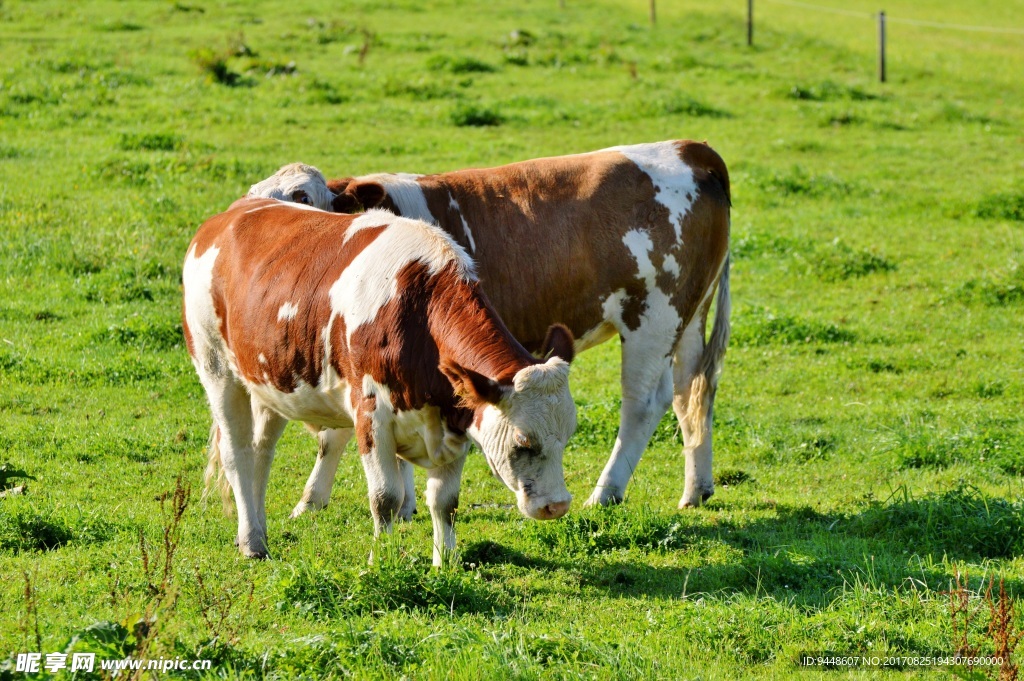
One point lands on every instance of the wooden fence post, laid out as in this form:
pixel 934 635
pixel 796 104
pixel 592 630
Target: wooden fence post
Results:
pixel 653 13
pixel 750 23
pixel 881 46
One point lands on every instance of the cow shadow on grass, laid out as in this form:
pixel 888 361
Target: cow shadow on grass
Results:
pixel 790 552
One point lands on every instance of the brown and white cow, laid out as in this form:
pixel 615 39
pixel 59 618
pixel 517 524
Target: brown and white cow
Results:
pixel 374 326
pixel 630 240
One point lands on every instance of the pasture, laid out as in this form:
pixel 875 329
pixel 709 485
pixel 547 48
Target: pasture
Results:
pixel 868 428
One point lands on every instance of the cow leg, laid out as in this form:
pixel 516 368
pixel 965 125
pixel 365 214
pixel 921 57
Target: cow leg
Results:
pixel 317 494
pixel 409 505
pixel 443 501
pixel 646 396
pixel 232 411
pixel 693 402
pixel 386 488
pixel 268 426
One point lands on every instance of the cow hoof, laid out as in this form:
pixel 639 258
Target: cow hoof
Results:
pixel 695 499
pixel 306 507
pixel 604 497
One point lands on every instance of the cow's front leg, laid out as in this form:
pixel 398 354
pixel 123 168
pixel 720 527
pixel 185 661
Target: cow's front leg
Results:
pixel 332 442
pixel 443 501
pixel 385 485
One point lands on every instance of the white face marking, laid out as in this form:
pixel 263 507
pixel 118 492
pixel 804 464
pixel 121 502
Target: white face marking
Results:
pixel 540 408
pixel 405 192
pixel 371 279
pixel 294 177
pixel 287 311
pixel 454 205
pixel 671 177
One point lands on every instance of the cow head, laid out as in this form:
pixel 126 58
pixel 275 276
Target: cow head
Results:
pixel 355 196
pixel 296 182
pixel 523 428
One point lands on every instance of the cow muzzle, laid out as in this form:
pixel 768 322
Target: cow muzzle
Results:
pixel 544 509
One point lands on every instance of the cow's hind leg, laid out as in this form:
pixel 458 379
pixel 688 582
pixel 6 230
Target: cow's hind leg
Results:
pixel 692 404
pixel 232 448
pixel 268 426
pixel 646 396
pixel 409 482
pixel 695 377
pixel 317 494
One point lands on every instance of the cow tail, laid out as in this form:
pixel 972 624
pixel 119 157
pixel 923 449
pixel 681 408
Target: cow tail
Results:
pixel 214 476
pixel 705 381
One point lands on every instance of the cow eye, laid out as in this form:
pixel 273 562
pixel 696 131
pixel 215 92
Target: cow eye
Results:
pixel 528 452
pixel 301 197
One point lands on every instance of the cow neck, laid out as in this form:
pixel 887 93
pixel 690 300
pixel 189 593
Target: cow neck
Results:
pixel 469 333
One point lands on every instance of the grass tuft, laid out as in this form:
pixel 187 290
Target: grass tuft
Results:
pixel 475 116
pixel 754 327
pixel 151 141
pixel 963 521
pixel 838 262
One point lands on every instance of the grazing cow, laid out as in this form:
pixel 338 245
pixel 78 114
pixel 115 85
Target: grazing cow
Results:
pixel 374 326
pixel 630 240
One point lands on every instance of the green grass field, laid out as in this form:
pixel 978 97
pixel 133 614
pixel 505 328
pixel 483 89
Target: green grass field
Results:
pixel 869 443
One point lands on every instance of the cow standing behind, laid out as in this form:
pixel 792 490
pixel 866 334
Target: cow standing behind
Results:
pixel 630 240
pixel 373 326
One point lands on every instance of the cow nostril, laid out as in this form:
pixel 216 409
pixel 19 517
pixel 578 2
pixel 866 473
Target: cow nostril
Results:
pixel 556 509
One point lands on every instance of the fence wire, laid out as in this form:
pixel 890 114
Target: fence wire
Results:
pixel 898 20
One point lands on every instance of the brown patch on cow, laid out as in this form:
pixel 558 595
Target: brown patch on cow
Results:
pixel 364 408
pixel 189 345
pixel 548 235
pixel 706 163
pixel 439 320
pixel 275 256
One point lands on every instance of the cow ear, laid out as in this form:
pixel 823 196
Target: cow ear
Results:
pixel 475 388
pixel 369 194
pixel 559 343
pixel 339 184
pixel 345 203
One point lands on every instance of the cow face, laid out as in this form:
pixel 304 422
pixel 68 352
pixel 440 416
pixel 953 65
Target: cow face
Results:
pixel 296 182
pixel 523 429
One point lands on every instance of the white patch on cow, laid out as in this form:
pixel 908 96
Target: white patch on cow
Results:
pixel 640 246
pixel 287 311
pixel 371 279
pixel 262 359
pixel 454 205
pixel 371 218
pixel 673 179
pixel 294 177
pixel 670 265
pixel 197 281
pixel 327 408
pixel 405 192
pixel 659 319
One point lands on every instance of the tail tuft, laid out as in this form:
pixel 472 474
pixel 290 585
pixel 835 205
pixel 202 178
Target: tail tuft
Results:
pixel 705 381
pixel 214 476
